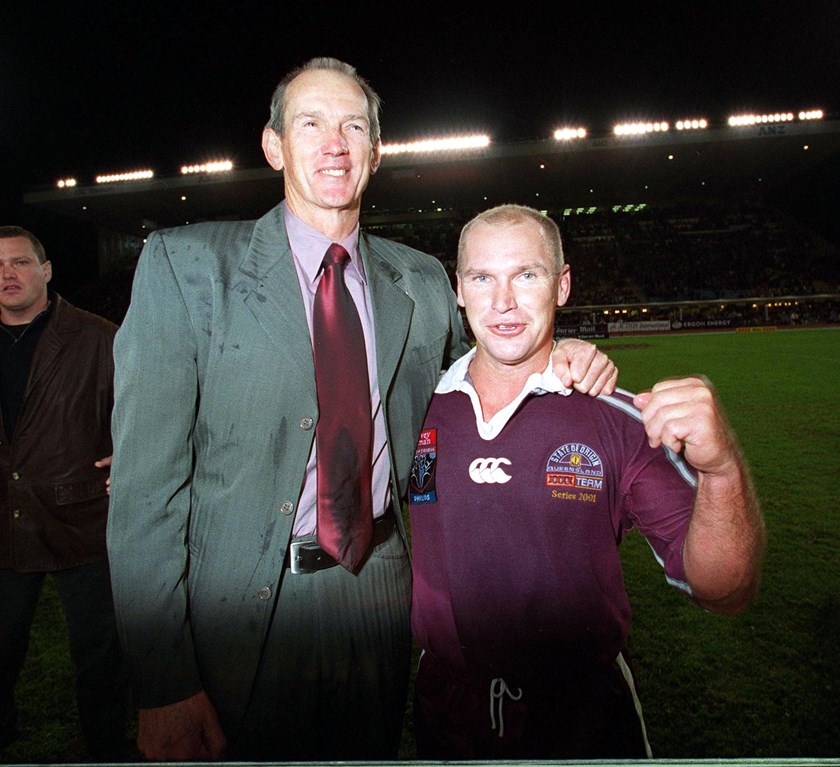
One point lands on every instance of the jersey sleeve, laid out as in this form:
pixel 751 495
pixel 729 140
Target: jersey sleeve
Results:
pixel 658 489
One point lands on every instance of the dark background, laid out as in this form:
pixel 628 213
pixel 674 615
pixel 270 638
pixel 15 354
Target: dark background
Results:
pixel 105 86
pixel 100 87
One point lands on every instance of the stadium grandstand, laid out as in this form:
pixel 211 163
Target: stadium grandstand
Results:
pixel 667 226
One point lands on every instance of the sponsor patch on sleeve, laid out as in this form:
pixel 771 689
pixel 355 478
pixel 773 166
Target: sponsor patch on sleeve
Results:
pixel 421 487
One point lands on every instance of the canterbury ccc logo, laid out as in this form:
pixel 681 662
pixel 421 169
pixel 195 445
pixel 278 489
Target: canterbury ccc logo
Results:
pixel 489 471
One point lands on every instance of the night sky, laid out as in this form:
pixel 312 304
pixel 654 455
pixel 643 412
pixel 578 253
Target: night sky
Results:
pixel 96 87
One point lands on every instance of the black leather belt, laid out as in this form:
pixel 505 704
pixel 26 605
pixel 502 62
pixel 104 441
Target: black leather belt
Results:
pixel 306 556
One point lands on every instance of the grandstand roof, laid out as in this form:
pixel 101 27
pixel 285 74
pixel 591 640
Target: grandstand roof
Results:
pixel 718 163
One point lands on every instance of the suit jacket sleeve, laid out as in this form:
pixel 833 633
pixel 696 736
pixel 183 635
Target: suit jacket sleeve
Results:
pixel 156 393
pixel 460 344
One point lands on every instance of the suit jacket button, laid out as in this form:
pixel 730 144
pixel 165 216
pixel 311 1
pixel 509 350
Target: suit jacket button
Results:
pixel 264 593
pixel 287 507
pixel 306 423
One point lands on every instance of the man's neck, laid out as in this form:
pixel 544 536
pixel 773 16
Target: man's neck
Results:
pixel 337 225
pixel 498 384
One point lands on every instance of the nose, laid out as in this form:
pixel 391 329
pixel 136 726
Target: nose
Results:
pixel 7 271
pixel 504 298
pixel 335 142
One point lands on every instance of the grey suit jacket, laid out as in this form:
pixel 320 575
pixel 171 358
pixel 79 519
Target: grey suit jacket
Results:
pixel 213 422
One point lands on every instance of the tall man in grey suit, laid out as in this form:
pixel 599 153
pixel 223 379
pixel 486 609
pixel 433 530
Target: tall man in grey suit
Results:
pixel 244 639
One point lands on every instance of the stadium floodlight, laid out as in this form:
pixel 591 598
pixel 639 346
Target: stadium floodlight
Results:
pixel 134 175
pixel 65 183
pixel 450 144
pixel 569 134
pixel 640 128
pixel 217 166
pixel 737 121
pixel 811 114
pixel 693 123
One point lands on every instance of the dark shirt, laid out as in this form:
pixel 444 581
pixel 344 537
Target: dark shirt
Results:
pixel 17 347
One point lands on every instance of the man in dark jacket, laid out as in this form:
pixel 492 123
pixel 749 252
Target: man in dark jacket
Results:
pixel 56 395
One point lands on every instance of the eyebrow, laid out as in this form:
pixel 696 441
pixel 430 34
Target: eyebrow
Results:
pixel 319 114
pixel 530 267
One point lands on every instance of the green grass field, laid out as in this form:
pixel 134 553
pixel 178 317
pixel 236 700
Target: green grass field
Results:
pixel 765 683
pixel 762 684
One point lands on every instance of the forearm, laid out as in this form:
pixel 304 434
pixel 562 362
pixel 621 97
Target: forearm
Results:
pixel 147 548
pixel 150 601
pixel 724 546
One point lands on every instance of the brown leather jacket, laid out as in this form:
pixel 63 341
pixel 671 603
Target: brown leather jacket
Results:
pixel 53 502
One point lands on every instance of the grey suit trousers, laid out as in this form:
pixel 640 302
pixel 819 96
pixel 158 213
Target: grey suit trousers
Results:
pixel 334 675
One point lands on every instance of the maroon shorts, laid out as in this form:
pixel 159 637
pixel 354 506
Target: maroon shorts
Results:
pixel 592 717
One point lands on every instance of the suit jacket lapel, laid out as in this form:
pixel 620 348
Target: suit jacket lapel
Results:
pixel 270 289
pixel 392 312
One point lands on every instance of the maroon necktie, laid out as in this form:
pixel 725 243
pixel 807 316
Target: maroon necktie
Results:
pixel 344 433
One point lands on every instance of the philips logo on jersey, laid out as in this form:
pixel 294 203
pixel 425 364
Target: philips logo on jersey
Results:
pixel 489 471
pixel 575 466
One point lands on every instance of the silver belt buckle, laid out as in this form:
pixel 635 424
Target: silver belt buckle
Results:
pixel 295 545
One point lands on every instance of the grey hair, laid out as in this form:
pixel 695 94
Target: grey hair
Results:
pixel 277 121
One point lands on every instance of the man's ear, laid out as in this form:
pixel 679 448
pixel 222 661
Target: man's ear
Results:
pixel 458 291
pixel 564 285
pixel 272 148
pixel 375 156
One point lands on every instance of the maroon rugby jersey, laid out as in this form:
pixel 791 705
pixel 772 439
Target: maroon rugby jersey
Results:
pixel 515 539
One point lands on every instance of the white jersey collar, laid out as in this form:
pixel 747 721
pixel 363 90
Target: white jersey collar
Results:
pixel 457 378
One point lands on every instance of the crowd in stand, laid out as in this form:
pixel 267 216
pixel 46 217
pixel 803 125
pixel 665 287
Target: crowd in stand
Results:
pixel 646 255
pixel 673 254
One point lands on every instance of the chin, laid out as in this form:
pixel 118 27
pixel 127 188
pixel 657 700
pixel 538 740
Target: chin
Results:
pixel 339 202
pixel 508 356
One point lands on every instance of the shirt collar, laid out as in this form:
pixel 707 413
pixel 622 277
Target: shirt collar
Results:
pixel 309 246
pixel 457 378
